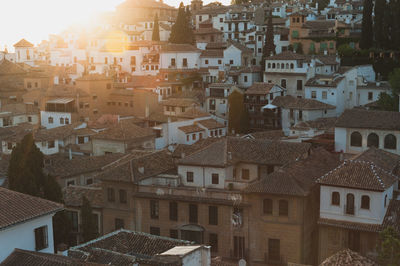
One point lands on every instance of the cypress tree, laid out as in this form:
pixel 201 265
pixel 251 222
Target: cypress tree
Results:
pixel 89 230
pixel 238 116
pixel 182 31
pixel 379 24
pixel 269 45
pixel 366 40
pixel 156 30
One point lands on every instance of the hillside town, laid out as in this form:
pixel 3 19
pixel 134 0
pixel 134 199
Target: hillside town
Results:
pixel 256 133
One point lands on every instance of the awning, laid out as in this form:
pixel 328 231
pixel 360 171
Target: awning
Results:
pixel 269 106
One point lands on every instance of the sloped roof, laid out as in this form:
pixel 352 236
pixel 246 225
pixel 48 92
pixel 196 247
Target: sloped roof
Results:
pixel 260 88
pixel 190 129
pixel 124 130
pixel 388 161
pixel 210 123
pixel 232 150
pixel 359 175
pixel 18 208
pixel 298 177
pixel 10 68
pixel 172 48
pixel 359 118
pixel 217 53
pixel 290 102
pixel 23 43
pixel 287 55
pixel 73 195
pixel 347 257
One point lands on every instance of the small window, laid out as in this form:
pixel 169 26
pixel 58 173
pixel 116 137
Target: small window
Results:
pixel 194 136
pixel 119 223
pixel 89 181
pixel 41 238
pixel 283 208
pixel 62 120
pixel 231 62
pixel 110 194
pixel 390 142
pixel 51 144
pixel 122 196
pixel 365 202
pixel 245 174
pixel 215 179
pixel 189 177
pixel 206 62
pixel 50 120
pixel 370 96
pixel 213 215
pixel 335 198
pixel 173 211
pixel 154 230
pixel 193 213
pixel 267 206
pixel 29 119
pixel 385 203
pixel 81 140
pixel 313 94
pixel 355 139
pixel 324 95
pixel 373 140
pixel 213 242
pixel 154 209
pixel 9 145
pixel 245 78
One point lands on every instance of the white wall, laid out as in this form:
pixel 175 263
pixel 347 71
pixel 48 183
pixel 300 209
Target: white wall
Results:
pixel 374 215
pixel 44 118
pixel 202 176
pixel 22 236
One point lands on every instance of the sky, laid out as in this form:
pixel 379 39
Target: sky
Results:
pixel 35 20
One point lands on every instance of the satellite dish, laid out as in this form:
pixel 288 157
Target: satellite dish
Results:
pixel 242 262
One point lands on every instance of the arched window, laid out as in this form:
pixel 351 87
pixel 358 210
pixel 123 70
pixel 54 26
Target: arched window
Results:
pixel 390 142
pixel 335 198
pixel 282 66
pixel 350 204
pixel 291 66
pixel 267 206
pixel 283 208
pixel 61 120
pixel 298 20
pixel 278 66
pixel 373 140
pixel 365 202
pixel 66 121
pixel 269 65
pixel 273 65
pixel 355 139
pixel 287 65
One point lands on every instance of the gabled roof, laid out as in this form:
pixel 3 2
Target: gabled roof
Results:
pixel 211 124
pixel 17 208
pixel 388 161
pixel 73 195
pixel 348 257
pixel 231 150
pixel 296 178
pixel 172 48
pixel 359 175
pixel 287 55
pixel 10 68
pixel 190 129
pixel 290 102
pixel 23 43
pixel 359 118
pixel 217 53
pixel 260 88
pixel 240 46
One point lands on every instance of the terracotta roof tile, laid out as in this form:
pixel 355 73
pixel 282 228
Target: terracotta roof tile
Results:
pixel 348 257
pixel 260 88
pixel 73 195
pixel 23 43
pixel 16 207
pixel 290 102
pixel 210 124
pixel 358 118
pixel 360 175
pixel 179 48
pixel 190 129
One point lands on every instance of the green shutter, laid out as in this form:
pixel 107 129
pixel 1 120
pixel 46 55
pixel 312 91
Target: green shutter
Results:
pixel 312 47
pixel 295 46
pixel 295 34
pixel 331 45
pixel 323 46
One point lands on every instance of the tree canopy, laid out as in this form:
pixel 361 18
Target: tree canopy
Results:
pixel 238 116
pixel 366 41
pixel 182 30
pixel 389 248
pixel 390 102
pixel 269 45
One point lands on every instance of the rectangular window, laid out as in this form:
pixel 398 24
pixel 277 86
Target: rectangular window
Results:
pixel 245 174
pixel 238 247
pixel 73 217
pixel 81 140
pixel 193 136
pixel 274 250
pixel 41 238
pixel 267 206
pixel 215 179
pixel 213 215
pixel 154 209
pixel 184 62
pixel 231 62
pixel 50 120
pixel 173 62
pixel 206 62
pixel 213 242
pixel 119 223
pixel 193 213
pixel 313 94
pixel 189 176
pixel 300 115
pixel 173 233
pixel 324 95
pixel 154 231
pixel 110 194
pixel 299 85
pixel 122 196
pixel 51 144
pixel 283 83
pixel 219 61
pixel 245 78
pixel 173 211
pixel 370 96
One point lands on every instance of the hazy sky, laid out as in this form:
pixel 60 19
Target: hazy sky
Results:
pixel 35 20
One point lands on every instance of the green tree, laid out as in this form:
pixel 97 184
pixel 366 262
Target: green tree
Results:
pixel 238 116
pixel 156 30
pixel 390 102
pixel 269 45
pixel 182 31
pixel 89 229
pixel 366 40
pixel 299 48
pixel 25 175
pixel 394 80
pixel 345 50
pixel 379 24
pixel 240 2
pixel 389 248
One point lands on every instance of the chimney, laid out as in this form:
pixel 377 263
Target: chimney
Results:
pixel 229 155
